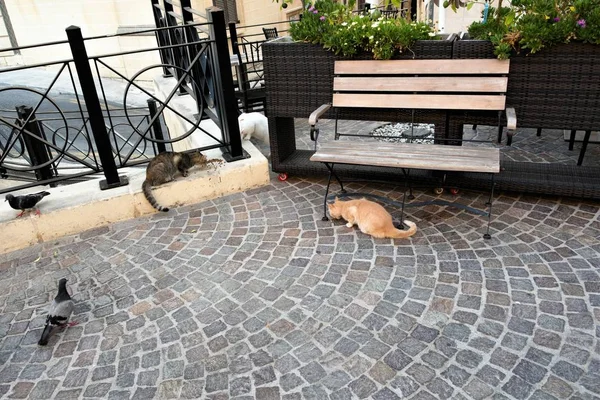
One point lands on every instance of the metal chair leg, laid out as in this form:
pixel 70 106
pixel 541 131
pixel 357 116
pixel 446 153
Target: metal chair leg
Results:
pixel 406 173
pixel 572 139
pixel 327 193
pixel 337 178
pixel 586 139
pixel 487 235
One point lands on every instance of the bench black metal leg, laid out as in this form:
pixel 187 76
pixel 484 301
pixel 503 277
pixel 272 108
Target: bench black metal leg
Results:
pixel 539 132
pixel 336 134
pixel 327 192
pixel 572 139
pixel 406 173
pixel 500 128
pixel 337 178
pixel 489 204
pixel 586 139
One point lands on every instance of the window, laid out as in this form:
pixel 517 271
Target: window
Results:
pixel 230 9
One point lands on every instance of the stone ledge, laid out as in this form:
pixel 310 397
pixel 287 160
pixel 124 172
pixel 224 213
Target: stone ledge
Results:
pixel 75 208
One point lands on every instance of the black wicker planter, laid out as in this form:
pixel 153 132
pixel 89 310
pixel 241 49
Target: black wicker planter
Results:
pixel 556 89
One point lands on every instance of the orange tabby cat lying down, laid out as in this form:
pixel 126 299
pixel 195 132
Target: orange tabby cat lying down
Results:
pixel 370 217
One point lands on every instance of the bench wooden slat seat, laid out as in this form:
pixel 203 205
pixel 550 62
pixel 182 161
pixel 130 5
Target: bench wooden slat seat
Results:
pixel 410 155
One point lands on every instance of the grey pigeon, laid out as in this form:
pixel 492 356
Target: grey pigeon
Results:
pixel 25 202
pixel 58 315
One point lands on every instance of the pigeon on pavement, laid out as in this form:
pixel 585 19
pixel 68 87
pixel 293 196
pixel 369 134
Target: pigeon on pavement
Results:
pixel 59 313
pixel 25 202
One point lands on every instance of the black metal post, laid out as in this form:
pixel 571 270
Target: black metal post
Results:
pixel 38 151
pixel 200 73
pixel 233 38
pixel 186 5
pixel 164 57
pixel 177 58
pixel 90 95
pixel 156 126
pixel 225 96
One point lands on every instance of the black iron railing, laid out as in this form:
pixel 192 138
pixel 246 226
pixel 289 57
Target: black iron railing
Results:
pixel 51 139
pixel 209 68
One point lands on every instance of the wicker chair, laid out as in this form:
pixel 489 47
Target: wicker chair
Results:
pixel 389 13
pixel 270 33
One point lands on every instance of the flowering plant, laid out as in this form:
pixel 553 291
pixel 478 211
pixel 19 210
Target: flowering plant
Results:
pixel 334 26
pixel 534 24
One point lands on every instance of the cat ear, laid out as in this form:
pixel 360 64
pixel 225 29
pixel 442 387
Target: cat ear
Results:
pixel 336 199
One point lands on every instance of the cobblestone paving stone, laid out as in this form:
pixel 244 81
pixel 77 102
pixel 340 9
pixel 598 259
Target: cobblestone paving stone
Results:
pixel 253 296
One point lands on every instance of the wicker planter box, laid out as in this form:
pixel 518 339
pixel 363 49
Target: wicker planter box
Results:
pixel 555 88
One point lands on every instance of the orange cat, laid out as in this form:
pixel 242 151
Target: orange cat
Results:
pixel 370 217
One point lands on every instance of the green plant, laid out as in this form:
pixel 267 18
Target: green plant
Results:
pixel 531 25
pixel 335 27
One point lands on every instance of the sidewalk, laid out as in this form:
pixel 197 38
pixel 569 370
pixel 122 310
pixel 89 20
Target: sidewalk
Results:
pixel 253 296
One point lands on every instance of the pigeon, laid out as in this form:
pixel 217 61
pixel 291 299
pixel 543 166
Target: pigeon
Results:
pixel 59 313
pixel 25 202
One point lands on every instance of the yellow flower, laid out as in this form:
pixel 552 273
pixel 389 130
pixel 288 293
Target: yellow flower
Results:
pixel 572 8
pixel 546 17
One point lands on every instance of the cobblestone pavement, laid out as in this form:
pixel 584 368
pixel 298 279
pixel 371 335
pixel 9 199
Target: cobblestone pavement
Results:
pixel 550 147
pixel 253 296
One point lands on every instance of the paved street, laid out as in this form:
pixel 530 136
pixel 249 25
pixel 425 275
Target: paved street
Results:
pixel 253 296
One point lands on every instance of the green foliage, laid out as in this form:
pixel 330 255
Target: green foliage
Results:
pixel 335 27
pixel 531 25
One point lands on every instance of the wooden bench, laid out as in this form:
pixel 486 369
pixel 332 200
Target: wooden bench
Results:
pixel 449 85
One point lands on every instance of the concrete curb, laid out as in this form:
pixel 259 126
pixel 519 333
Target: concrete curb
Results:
pixel 79 207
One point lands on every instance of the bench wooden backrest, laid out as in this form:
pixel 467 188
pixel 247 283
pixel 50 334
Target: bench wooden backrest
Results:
pixel 467 84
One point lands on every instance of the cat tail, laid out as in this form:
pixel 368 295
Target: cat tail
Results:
pixel 400 234
pixel 147 189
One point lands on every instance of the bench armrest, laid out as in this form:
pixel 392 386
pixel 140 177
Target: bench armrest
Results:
pixel 511 118
pixel 315 115
pixel 511 124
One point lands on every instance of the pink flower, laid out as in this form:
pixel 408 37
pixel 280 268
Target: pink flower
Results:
pixel 581 23
pixel 315 12
pixel 311 8
pixel 322 18
pixel 556 19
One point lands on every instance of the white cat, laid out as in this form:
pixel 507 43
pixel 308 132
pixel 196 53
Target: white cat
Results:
pixel 254 124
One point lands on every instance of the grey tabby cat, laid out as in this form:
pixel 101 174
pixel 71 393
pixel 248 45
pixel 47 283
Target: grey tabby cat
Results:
pixel 164 167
